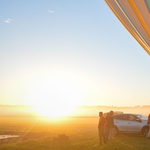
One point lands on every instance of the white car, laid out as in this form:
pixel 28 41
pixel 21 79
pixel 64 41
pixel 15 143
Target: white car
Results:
pixel 130 123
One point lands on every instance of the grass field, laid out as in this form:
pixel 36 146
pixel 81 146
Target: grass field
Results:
pixel 37 133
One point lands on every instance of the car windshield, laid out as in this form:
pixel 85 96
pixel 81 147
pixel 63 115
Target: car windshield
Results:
pixel 142 117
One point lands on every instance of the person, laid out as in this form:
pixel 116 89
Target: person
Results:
pixel 148 123
pixel 101 127
pixel 107 128
pixel 111 125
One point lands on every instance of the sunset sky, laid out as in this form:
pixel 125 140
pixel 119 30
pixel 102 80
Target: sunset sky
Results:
pixel 69 51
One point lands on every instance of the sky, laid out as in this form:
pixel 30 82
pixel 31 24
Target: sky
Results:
pixel 74 51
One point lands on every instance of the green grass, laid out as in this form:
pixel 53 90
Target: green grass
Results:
pixel 38 134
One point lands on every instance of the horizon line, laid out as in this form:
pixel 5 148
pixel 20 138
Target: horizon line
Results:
pixel 82 105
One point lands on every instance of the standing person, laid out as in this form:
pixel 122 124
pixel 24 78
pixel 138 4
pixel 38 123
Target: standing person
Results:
pixel 101 127
pixel 148 122
pixel 111 125
pixel 107 128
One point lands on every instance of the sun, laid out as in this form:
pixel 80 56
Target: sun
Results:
pixel 55 97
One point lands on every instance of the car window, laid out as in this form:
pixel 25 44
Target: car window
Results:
pixel 120 117
pixel 131 117
pixel 142 117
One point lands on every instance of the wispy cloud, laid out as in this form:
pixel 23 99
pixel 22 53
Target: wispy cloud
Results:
pixel 8 20
pixel 51 11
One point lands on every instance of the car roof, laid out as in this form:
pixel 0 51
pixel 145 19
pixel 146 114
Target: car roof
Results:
pixel 126 114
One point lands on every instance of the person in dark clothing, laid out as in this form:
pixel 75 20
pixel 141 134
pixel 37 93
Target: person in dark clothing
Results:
pixel 148 123
pixel 107 128
pixel 101 127
pixel 111 125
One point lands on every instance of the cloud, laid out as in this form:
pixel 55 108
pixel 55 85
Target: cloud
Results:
pixel 51 11
pixel 8 20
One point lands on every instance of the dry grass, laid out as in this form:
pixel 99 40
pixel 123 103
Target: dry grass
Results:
pixel 37 133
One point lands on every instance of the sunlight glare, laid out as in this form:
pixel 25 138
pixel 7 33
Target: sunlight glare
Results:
pixel 55 97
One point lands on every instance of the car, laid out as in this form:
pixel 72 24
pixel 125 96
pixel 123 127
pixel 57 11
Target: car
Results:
pixel 130 123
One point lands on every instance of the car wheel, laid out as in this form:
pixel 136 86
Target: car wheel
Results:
pixel 115 131
pixel 145 131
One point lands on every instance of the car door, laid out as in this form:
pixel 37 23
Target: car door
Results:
pixel 133 125
pixel 121 122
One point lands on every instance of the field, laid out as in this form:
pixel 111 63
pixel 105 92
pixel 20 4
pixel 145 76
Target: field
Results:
pixel 38 133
